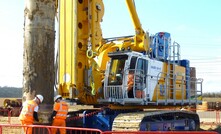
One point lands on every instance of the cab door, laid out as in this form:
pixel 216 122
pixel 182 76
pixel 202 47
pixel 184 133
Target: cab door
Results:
pixel 140 78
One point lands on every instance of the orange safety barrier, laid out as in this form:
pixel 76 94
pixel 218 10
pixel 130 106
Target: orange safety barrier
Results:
pixel 162 132
pixel 5 115
pixel 41 129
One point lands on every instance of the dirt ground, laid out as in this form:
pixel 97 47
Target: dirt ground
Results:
pixel 216 128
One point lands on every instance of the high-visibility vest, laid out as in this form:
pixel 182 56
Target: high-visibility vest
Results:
pixel 28 111
pixel 62 110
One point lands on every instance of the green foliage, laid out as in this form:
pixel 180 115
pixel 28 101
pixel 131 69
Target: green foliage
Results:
pixel 10 92
pixel 212 95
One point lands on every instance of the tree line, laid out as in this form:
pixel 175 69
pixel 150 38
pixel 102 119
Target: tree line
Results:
pixel 212 94
pixel 10 92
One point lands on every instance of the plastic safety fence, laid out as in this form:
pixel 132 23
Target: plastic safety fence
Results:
pixel 41 129
pixel 4 116
pixel 162 132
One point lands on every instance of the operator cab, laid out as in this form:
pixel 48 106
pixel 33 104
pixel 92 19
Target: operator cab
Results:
pixel 132 78
pixel 125 78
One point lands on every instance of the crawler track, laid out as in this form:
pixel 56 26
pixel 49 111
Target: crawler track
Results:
pixel 132 121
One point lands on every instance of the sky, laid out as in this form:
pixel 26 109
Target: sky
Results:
pixel 194 24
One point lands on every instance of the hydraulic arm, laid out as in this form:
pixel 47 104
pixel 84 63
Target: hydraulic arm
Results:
pixel 79 39
pixel 141 39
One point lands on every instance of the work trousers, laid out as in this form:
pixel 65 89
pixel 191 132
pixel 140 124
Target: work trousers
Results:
pixel 27 130
pixel 60 123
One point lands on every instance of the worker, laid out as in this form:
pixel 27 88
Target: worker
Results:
pixel 130 84
pixel 59 115
pixel 29 112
